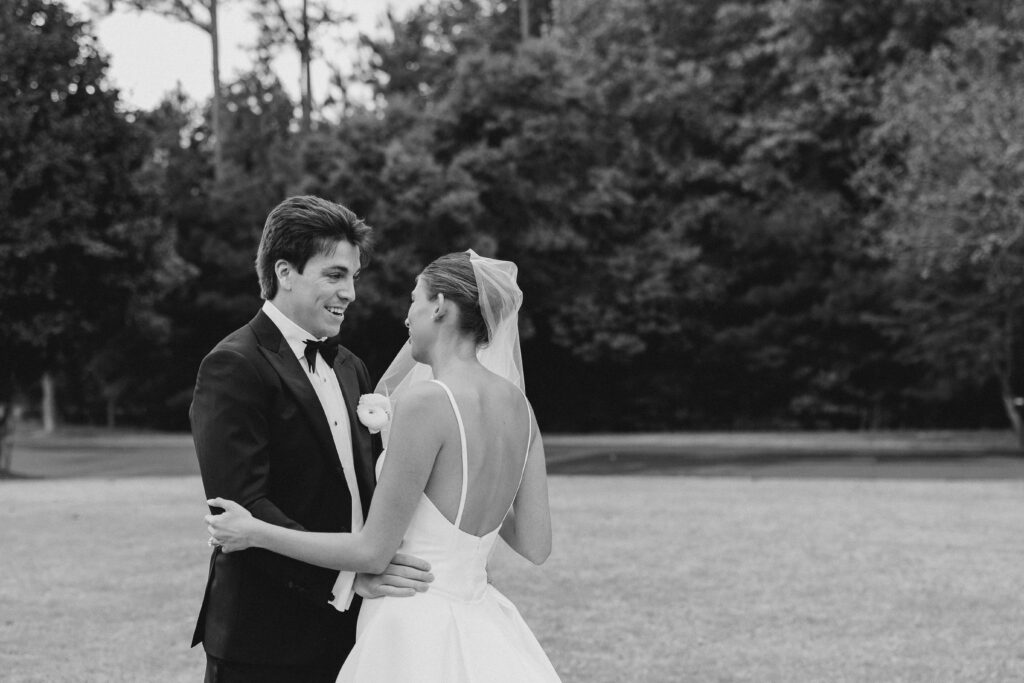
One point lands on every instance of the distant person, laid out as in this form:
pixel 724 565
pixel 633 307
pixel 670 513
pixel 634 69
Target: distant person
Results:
pixel 275 428
pixel 464 463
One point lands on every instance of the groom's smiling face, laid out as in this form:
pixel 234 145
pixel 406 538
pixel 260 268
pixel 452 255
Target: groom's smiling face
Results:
pixel 316 298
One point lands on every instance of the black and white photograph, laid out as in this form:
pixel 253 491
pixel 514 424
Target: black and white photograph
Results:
pixel 511 341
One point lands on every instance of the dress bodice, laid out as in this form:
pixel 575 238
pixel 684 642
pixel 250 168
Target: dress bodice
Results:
pixel 458 559
pixel 462 629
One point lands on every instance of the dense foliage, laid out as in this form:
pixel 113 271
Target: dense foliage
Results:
pixel 727 214
pixel 83 261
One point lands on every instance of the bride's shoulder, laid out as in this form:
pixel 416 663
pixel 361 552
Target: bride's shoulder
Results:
pixel 417 426
pixel 420 397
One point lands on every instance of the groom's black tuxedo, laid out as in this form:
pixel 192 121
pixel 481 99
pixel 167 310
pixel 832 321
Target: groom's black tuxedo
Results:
pixel 263 440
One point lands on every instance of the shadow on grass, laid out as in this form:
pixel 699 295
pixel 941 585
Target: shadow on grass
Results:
pixel 896 455
pixel 800 465
pixel 16 475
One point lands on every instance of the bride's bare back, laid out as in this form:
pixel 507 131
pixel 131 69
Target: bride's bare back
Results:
pixel 499 429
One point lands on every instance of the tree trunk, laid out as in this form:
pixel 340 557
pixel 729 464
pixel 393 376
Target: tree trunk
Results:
pixel 6 453
pixel 1012 407
pixel 305 50
pixel 524 19
pixel 6 447
pixel 49 407
pixel 215 113
pixel 307 96
pixel 1005 372
pixel 1013 412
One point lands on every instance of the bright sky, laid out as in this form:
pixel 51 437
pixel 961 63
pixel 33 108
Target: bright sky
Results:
pixel 149 54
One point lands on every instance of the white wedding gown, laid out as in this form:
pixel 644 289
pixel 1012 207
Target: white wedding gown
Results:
pixel 462 630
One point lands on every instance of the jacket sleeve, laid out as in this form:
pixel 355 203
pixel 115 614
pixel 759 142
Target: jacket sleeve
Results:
pixel 232 435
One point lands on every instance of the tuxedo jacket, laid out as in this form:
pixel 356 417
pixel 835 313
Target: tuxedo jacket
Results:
pixel 263 440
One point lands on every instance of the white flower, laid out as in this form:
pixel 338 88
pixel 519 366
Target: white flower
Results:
pixel 374 411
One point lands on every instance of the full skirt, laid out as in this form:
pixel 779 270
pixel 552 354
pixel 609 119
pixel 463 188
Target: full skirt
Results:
pixel 432 638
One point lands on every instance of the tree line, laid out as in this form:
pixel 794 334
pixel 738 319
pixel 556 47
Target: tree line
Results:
pixel 767 214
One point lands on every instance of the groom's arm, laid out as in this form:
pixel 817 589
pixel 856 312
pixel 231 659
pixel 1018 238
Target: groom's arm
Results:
pixel 232 438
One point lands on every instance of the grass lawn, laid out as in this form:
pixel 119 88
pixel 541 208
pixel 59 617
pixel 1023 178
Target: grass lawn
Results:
pixel 652 579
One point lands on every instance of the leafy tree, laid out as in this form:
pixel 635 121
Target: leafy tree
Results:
pixel 80 254
pixel 791 90
pixel 949 176
pixel 415 58
pixel 677 181
pixel 511 150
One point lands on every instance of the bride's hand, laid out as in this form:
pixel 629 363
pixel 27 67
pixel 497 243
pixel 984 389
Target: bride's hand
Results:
pixel 233 529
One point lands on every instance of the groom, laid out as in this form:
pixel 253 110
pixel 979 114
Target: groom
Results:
pixel 275 429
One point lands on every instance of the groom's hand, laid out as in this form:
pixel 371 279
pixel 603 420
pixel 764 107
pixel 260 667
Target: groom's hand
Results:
pixel 405 576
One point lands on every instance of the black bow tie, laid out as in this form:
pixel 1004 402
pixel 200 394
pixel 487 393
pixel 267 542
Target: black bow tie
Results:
pixel 327 348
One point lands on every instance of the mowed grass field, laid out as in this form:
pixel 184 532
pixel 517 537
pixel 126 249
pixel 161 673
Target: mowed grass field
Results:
pixel 660 579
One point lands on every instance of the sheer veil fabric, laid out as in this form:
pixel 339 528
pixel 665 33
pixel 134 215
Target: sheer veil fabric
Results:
pixel 500 300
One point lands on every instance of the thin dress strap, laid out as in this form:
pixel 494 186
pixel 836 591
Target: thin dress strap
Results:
pixel 465 453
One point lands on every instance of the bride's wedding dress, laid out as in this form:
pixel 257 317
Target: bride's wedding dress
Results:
pixel 462 629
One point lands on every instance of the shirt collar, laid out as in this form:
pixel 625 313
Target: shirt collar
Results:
pixel 292 333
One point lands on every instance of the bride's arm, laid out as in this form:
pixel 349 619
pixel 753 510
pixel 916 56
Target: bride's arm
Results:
pixel 527 528
pixel 416 437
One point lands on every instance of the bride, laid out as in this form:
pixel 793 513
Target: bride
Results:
pixel 464 463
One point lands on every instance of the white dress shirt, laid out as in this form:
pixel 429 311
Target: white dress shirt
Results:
pixel 325 384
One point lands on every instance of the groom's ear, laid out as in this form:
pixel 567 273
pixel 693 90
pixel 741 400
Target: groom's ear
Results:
pixel 283 271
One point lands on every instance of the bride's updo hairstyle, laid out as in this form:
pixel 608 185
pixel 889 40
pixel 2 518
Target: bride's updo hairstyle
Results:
pixel 453 276
pixel 487 298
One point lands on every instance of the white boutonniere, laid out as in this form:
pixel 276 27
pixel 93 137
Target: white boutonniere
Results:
pixel 374 411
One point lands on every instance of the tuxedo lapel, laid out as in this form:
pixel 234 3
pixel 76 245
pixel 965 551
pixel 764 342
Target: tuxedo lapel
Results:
pixel 277 352
pixel 362 446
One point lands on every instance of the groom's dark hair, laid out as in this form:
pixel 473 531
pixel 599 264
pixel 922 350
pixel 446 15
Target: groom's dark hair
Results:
pixel 302 227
